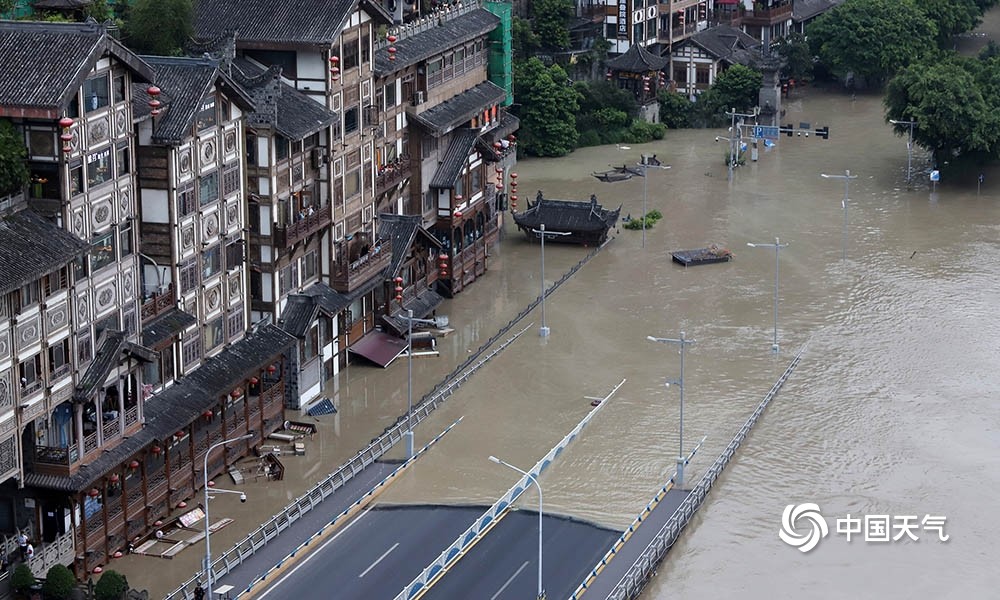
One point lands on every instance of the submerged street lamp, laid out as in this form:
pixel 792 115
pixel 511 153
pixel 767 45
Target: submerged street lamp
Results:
pixel 544 331
pixel 645 192
pixel 682 342
pixel 208 531
pixel 777 245
pixel 541 590
pixel 909 144
pixel 847 177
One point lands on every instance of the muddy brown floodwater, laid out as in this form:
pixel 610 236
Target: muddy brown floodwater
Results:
pixel 892 411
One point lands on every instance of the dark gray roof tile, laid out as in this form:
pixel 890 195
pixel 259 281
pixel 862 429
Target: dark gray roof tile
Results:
pixel 293 114
pixel 726 43
pixel 44 64
pixel 299 313
pixel 31 247
pixel 166 326
pixel 264 23
pixel 443 117
pixel 454 159
pixel 422 305
pixel 638 60
pixel 419 42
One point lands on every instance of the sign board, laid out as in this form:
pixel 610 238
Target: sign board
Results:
pixel 623 19
pixel 763 131
pixel 935 175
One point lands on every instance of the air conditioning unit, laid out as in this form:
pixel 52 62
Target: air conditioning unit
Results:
pixel 319 157
pixel 418 98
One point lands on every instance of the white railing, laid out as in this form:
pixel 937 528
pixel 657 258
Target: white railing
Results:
pixel 482 525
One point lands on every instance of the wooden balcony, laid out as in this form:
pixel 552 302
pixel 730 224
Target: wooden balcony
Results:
pixel 347 277
pixel 289 235
pixel 158 304
pixel 763 16
pixel 392 173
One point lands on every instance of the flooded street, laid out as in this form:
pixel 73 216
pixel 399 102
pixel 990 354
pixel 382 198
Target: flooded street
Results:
pixel 892 410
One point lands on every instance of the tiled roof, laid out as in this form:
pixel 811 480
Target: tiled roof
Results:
pixel 726 43
pixel 177 406
pixel 422 44
pixel 292 113
pixel 807 9
pixel 107 357
pixel 166 326
pixel 454 159
pixel 183 83
pixel 638 60
pixel 31 247
pixel 400 231
pixel 328 298
pixel 266 23
pixel 447 115
pixel 422 305
pixel 299 313
pixel 566 215
pixel 34 77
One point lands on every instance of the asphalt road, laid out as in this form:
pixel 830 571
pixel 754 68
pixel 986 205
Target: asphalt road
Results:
pixel 377 554
pixel 504 565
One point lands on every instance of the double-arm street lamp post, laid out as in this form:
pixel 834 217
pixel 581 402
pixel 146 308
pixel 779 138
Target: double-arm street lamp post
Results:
pixel 409 377
pixel 682 342
pixel 847 177
pixel 645 192
pixel 541 590
pixel 208 531
pixel 777 245
pixel 544 331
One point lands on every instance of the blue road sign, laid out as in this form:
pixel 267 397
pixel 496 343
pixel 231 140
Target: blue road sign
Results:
pixel 761 131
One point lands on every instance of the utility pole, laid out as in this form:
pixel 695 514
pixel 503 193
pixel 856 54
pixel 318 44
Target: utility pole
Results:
pixel 847 177
pixel 909 145
pixel 736 135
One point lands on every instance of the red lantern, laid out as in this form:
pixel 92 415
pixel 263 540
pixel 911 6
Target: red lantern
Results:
pixel 398 290
pixel 179 434
pixel 513 186
pixel 497 145
pixel 442 257
pixel 207 414
pixel 398 280
pixel 94 492
pixel 458 214
pixel 133 465
pixel 513 198
pixel 113 478
pixel 157 450
pixel 271 368
pixel 182 504
pixel 98 570
pixel 211 484
pixel 458 198
pixel 512 138
pixel 154 103
pixel 235 393
pixel 399 298
pixel 334 60
pixel 499 187
pixel 65 122
pixel 392 39
pixel 499 171
pixel 392 53
pixel 253 381
pixel 513 175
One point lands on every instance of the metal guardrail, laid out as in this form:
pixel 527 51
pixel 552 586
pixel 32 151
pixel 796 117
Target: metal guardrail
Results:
pixel 627 534
pixel 482 525
pixel 348 512
pixel 636 577
pixel 331 483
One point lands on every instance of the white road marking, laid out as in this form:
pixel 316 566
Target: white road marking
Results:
pixel 504 586
pixel 311 555
pixel 378 560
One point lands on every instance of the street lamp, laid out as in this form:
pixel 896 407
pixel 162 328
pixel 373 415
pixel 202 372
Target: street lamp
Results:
pixel 541 590
pixel 409 376
pixel 544 331
pixel 208 532
pixel 847 177
pixel 682 342
pixel 909 144
pixel 777 245
pixel 645 192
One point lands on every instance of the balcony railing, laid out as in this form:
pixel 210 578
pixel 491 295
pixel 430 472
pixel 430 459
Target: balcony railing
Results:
pixel 286 236
pixel 392 173
pixel 678 33
pixel 347 277
pixel 158 304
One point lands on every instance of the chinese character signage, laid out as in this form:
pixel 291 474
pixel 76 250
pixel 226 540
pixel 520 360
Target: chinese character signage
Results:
pixel 623 19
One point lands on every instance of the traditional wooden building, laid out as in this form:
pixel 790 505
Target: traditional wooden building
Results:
pixel 699 60
pixel 641 73
pixel 410 283
pixel 454 129
pixel 324 50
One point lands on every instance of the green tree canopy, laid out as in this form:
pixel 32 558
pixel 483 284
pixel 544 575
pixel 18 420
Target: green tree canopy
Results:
pixel 871 39
pixel 794 49
pixel 952 17
pixel 59 583
pixel 550 22
pixel 111 586
pixel 947 102
pixel 13 156
pixel 523 39
pixel 159 27
pixel 548 107
pixel 675 109
pixel 737 87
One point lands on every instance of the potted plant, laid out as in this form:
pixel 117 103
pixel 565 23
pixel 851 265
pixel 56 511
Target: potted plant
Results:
pixel 111 586
pixel 59 583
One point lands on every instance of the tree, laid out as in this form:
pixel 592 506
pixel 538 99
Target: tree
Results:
pixel 952 17
pixel 794 49
pixel 550 19
pixel 871 39
pixel 523 39
pixel 952 115
pixel 548 109
pixel 737 87
pixel 22 578
pixel 59 583
pixel 675 109
pixel 111 586
pixel 159 27
pixel 7 6
pixel 13 156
